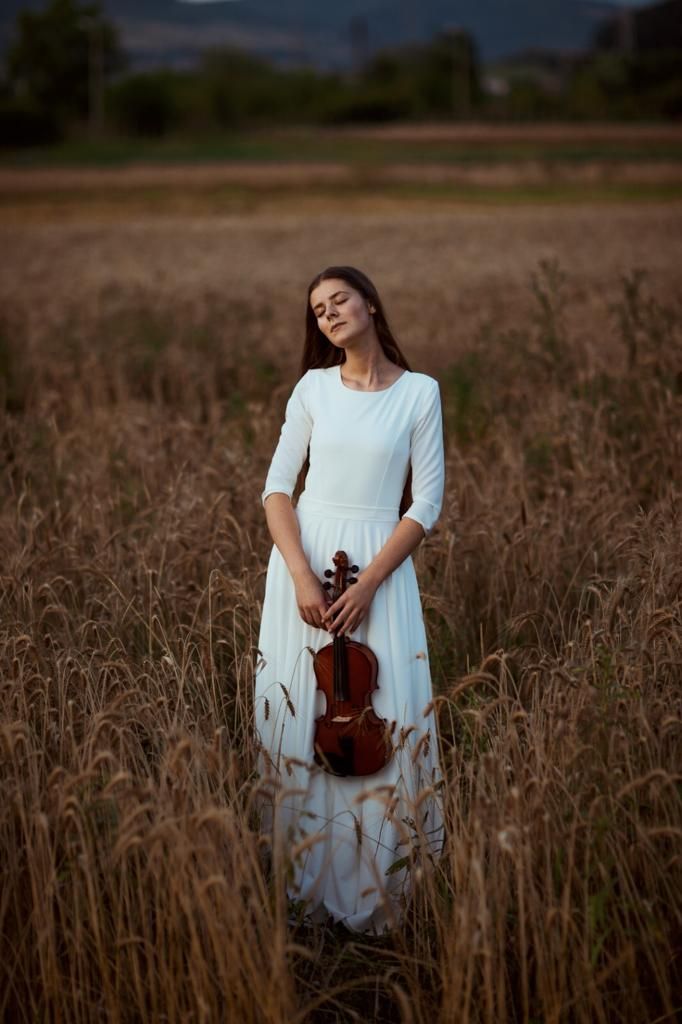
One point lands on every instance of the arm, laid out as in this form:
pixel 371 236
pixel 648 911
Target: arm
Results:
pixel 287 460
pixel 428 478
pixel 351 608
pixel 311 597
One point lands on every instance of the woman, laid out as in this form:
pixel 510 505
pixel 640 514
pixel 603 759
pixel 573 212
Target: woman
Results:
pixel 365 421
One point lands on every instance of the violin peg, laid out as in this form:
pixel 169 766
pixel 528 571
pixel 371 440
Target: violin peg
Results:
pixel 353 579
pixel 327 586
pixel 353 568
pixel 329 573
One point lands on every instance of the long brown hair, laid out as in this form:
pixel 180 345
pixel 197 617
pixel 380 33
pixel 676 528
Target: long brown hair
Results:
pixel 318 351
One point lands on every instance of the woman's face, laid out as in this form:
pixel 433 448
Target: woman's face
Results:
pixel 343 314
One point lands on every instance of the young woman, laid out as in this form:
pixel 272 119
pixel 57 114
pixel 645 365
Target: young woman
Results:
pixel 372 433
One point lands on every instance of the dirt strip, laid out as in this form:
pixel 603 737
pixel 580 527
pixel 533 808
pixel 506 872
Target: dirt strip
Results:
pixel 301 174
pixel 491 134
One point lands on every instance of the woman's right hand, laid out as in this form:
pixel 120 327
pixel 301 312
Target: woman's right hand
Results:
pixel 311 598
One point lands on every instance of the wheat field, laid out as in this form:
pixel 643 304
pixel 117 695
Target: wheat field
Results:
pixel 144 367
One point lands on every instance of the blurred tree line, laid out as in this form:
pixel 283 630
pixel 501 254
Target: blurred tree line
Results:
pixel 65 72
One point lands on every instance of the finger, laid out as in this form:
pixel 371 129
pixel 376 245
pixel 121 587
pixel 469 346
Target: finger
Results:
pixel 308 617
pixel 318 619
pixel 348 626
pixel 354 621
pixel 318 616
pixel 330 614
pixel 339 624
pixel 340 602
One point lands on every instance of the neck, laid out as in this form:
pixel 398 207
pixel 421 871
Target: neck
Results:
pixel 367 366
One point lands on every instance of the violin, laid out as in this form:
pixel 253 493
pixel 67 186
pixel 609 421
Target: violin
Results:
pixel 350 738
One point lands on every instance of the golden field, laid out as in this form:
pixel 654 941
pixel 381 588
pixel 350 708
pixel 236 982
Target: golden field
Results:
pixel 145 360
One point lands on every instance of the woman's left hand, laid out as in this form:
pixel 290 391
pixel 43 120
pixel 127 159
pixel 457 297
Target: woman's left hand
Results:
pixel 348 611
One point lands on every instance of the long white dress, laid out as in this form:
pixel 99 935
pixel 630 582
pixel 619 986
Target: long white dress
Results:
pixel 351 844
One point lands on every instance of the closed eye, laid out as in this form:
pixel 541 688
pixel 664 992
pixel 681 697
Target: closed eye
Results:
pixel 338 299
pixel 321 312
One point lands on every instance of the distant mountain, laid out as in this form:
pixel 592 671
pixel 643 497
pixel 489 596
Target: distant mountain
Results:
pixel 331 36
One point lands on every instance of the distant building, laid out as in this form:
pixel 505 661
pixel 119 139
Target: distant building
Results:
pixel 549 70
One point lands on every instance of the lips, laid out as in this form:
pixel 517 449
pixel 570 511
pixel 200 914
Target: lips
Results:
pixel 342 324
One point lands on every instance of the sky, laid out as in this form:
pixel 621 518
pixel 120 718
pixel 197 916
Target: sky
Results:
pixel 317 32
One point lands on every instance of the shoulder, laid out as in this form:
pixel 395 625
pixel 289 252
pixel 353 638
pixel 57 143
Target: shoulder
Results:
pixel 424 382
pixel 308 380
pixel 426 388
pixel 316 376
pixel 314 381
pixel 308 389
pixel 426 403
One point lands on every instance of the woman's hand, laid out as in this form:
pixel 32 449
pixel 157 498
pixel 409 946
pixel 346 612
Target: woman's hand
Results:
pixel 348 611
pixel 311 598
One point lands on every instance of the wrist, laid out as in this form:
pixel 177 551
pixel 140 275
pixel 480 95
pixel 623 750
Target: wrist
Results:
pixel 371 576
pixel 300 571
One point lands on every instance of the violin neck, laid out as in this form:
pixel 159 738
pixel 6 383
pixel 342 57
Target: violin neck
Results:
pixel 340 669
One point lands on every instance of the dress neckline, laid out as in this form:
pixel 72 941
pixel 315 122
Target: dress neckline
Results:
pixel 359 391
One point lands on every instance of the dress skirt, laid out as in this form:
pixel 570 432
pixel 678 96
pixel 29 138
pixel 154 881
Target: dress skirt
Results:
pixel 350 844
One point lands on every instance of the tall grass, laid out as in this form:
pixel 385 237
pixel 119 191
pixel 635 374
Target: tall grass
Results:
pixel 136 884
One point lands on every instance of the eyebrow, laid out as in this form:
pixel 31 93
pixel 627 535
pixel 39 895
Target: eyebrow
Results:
pixel 340 292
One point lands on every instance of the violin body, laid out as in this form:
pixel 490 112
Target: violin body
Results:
pixel 350 738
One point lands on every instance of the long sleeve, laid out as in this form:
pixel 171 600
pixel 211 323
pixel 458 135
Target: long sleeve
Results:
pixel 292 446
pixel 428 462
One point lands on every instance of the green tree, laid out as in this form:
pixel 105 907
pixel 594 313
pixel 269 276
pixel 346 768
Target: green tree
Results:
pixel 240 87
pixel 440 79
pixel 60 60
pixel 450 75
pixel 147 104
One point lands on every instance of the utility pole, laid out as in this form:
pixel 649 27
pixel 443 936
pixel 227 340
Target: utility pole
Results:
pixel 466 74
pixel 461 72
pixel 627 30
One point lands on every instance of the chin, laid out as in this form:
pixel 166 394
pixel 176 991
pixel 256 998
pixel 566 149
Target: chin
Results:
pixel 344 342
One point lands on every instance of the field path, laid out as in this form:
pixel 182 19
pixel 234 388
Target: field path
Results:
pixel 16 182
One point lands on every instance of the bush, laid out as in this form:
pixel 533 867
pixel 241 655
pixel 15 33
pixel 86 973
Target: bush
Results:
pixel 23 123
pixel 146 104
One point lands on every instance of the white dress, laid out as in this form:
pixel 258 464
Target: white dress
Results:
pixel 352 843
